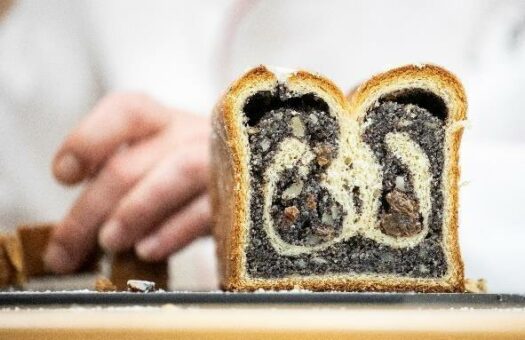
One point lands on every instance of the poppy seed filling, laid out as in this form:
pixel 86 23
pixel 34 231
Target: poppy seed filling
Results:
pixel 303 211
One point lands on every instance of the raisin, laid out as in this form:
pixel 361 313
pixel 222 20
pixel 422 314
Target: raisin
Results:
pixel 400 225
pixel 402 203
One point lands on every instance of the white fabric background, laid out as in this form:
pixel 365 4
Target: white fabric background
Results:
pixel 57 57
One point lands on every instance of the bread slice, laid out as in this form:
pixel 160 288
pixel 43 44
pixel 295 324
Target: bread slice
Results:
pixel 127 266
pixel 13 268
pixel 7 271
pixel 22 255
pixel 34 240
pixel 316 191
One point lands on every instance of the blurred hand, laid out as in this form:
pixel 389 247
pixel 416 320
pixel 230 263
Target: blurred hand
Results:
pixel 146 171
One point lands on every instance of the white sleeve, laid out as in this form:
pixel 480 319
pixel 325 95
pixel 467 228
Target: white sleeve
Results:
pixel 46 83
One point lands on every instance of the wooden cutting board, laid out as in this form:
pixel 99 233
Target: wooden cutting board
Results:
pixel 93 316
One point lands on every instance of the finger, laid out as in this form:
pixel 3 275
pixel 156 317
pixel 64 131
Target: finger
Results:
pixel 76 235
pixel 178 231
pixel 179 177
pixel 117 119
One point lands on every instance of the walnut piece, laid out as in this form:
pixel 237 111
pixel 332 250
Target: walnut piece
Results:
pixel 297 127
pixel 311 202
pixel 291 213
pixel 324 231
pixel 141 286
pixel 322 160
pixel 265 144
pixel 293 190
pixel 324 154
pixel 400 183
pixel 327 218
pixel 253 130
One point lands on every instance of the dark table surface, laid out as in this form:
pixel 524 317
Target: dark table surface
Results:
pixel 66 298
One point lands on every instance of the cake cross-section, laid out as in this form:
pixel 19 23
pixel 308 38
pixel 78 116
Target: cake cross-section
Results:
pixel 317 191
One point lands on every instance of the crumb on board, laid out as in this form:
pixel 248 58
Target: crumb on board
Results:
pixel 141 286
pixel 103 284
pixel 475 286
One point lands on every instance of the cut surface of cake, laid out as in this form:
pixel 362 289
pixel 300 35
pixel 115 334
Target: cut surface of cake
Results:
pixel 317 191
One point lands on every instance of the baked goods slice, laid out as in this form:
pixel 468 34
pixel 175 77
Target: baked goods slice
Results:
pixel 412 118
pixel 6 268
pixel 315 191
pixel 127 266
pixel 14 266
pixel 34 240
pixel 22 255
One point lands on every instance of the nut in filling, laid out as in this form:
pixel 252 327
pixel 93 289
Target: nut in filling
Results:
pixel 291 214
pixel 324 154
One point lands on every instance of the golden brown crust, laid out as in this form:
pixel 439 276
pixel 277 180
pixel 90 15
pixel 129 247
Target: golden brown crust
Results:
pixel 457 275
pixel 230 189
pixel 411 74
pixel 322 83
